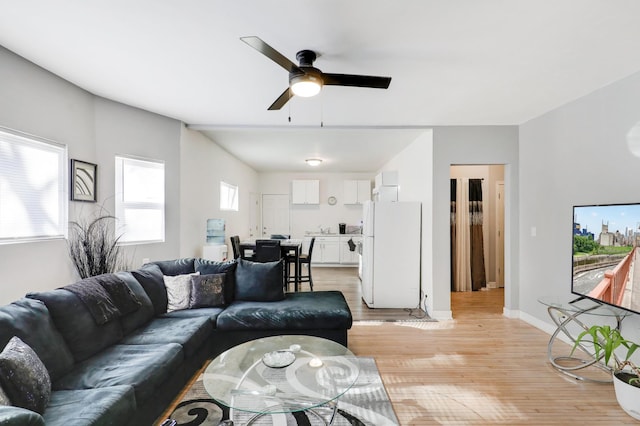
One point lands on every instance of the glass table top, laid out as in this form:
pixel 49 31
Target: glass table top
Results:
pixel 281 374
pixel 584 306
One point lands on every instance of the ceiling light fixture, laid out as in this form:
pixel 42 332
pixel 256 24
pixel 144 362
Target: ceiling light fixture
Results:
pixel 313 162
pixel 306 85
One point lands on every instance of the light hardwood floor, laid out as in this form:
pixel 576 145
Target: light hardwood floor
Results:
pixel 480 368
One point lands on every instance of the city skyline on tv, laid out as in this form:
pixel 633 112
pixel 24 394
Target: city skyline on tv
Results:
pixel 619 217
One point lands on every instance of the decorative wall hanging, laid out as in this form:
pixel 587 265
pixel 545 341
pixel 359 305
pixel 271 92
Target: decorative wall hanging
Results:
pixel 83 181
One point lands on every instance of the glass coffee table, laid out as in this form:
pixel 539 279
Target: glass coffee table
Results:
pixel 280 375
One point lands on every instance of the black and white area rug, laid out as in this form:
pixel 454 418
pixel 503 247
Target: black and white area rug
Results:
pixel 365 404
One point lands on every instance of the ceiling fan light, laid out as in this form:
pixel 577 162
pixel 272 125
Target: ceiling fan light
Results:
pixel 306 85
pixel 313 162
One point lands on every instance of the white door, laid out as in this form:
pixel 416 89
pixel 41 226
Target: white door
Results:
pixel 275 214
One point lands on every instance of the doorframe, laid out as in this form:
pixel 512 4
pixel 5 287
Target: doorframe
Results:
pixel 500 206
pixel 486 222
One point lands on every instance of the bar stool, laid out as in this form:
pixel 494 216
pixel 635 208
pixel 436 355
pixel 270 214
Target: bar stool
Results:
pixel 305 259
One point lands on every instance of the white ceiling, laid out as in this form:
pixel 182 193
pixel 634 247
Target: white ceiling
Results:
pixel 454 62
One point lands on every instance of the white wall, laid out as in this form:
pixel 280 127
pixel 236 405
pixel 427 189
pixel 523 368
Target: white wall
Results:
pixel 124 130
pixel 309 218
pixel 204 165
pixel 576 154
pixel 414 165
pixel 473 145
pixel 37 102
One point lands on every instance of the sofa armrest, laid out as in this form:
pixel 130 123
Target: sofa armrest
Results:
pixel 16 416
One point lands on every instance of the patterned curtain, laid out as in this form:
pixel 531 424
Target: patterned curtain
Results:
pixel 460 266
pixel 478 277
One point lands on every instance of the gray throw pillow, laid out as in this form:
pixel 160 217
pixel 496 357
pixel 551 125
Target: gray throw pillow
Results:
pixel 259 282
pixel 207 291
pixel 24 377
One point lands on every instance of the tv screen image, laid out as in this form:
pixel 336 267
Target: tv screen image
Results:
pixel 604 267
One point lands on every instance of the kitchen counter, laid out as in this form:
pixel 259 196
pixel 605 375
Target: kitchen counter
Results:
pixel 334 249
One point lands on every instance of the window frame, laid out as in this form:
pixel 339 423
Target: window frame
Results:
pixel 121 204
pixel 235 204
pixel 62 184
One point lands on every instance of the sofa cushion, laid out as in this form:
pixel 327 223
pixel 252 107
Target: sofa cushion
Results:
pixel 150 277
pixel 259 282
pixel 81 333
pixel 16 416
pixel 145 367
pixel 207 267
pixel 30 320
pixel 210 313
pixel 178 291
pixel 177 266
pixel 24 377
pixel 190 333
pixel 112 405
pixel 207 291
pixel 145 313
pixel 301 310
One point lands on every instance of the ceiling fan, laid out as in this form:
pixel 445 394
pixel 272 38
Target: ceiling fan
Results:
pixel 306 80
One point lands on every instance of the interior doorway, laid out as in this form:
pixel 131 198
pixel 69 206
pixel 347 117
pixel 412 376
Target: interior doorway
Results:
pixel 275 214
pixel 469 252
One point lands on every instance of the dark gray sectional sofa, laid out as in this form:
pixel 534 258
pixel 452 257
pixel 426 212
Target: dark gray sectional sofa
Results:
pixel 126 371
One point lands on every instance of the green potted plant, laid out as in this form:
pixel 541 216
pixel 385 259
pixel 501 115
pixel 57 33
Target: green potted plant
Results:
pixel 625 373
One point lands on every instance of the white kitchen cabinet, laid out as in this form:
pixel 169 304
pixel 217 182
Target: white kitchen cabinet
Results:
pixel 348 257
pixel 356 191
pixel 326 250
pixel 388 178
pixel 305 191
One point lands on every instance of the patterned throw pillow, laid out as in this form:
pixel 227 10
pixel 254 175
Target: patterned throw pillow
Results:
pixel 207 291
pixel 24 377
pixel 178 291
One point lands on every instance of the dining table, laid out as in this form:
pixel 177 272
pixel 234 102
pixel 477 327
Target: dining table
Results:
pixel 289 249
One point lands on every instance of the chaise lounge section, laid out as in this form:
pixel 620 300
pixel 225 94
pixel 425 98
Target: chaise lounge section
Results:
pixel 127 369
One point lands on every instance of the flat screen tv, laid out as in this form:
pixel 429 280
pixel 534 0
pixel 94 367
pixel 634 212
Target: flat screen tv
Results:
pixel 604 266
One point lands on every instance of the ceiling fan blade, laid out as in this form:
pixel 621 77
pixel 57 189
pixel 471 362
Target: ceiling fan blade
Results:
pixel 282 100
pixel 356 80
pixel 270 53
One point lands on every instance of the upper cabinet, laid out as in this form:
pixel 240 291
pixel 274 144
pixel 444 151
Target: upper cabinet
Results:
pixel 305 191
pixel 388 178
pixel 356 191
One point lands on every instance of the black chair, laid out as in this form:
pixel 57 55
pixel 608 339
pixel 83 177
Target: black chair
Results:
pixel 267 251
pixel 305 259
pixel 235 246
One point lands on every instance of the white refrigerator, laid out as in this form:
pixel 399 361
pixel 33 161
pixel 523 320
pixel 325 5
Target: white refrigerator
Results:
pixel 391 256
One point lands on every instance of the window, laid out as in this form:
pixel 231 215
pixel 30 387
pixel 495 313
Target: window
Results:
pixel 33 188
pixel 140 200
pixel 228 196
